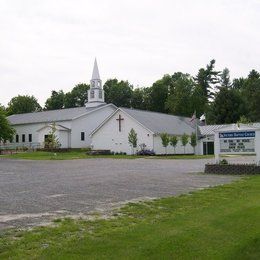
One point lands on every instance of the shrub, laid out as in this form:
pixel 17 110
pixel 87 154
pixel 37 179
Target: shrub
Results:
pixel 223 162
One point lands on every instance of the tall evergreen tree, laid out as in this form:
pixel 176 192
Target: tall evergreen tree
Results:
pixel 251 94
pixel 225 79
pixel 227 107
pixel 208 79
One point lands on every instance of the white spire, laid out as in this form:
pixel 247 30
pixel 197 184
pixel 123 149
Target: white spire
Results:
pixel 96 92
pixel 95 74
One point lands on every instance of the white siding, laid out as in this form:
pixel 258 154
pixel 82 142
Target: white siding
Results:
pixel 67 139
pixel 159 149
pixel 108 136
pixel 87 124
pixel 38 133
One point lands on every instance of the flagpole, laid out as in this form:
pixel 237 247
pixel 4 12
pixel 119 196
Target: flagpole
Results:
pixel 206 136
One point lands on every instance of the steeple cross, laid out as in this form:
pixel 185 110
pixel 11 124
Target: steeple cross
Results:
pixel 119 119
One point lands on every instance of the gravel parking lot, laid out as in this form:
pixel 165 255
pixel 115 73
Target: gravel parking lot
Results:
pixel 33 192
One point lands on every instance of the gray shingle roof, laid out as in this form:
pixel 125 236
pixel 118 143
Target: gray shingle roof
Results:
pixel 161 123
pixel 49 116
pixel 209 129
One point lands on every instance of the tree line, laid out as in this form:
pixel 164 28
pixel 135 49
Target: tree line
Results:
pixel 209 92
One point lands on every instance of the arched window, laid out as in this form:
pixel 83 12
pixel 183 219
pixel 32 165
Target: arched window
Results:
pixel 100 95
pixel 93 84
pixel 92 94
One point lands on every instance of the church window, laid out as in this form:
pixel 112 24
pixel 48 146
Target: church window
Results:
pixel 92 94
pixel 17 138
pixel 93 84
pixel 82 136
pixel 30 138
pixel 23 138
pixel 100 94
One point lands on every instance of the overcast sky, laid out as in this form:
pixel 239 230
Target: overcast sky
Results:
pixel 51 44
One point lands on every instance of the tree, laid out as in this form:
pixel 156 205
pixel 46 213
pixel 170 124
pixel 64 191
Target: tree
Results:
pixel 225 79
pixel 165 140
pixel 238 83
pixel 184 140
pixel 52 141
pixel 141 98
pixel 6 131
pixel 2 107
pixel 198 101
pixel 250 93
pixel 23 104
pixel 118 92
pixel 56 101
pixel 179 99
pixel 207 79
pixel 159 94
pixel 132 139
pixel 193 141
pixel 243 120
pixel 173 142
pixel 227 107
pixel 77 97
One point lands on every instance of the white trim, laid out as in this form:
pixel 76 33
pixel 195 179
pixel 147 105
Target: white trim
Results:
pixel 94 110
pixel 49 125
pixel 108 118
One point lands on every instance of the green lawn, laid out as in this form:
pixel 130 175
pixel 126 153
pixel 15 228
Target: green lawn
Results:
pixel 216 223
pixel 78 154
pixel 71 155
pixel 183 156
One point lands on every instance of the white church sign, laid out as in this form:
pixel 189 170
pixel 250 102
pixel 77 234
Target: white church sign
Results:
pixel 237 140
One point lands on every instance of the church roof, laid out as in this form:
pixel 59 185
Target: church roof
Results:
pixel 210 129
pixel 161 123
pixel 50 115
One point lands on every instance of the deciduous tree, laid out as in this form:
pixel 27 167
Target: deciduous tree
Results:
pixel 165 140
pixel 23 104
pixel 6 131
pixel 132 139
pixel 193 141
pixel 173 142
pixel 77 97
pixel 184 140
pixel 118 92
pixel 56 101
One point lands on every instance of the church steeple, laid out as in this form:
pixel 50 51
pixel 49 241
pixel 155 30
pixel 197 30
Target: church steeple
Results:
pixel 96 92
pixel 95 73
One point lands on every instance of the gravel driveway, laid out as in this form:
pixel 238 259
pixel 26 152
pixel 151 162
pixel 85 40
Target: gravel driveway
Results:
pixel 33 192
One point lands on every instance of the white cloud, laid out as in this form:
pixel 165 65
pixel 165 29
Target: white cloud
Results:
pixel 51 44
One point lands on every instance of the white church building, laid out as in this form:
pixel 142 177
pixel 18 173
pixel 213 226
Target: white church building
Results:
pixel 100 126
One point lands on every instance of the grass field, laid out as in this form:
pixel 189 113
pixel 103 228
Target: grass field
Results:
pixel 77 154
pixel 216 223
pixel 71 155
